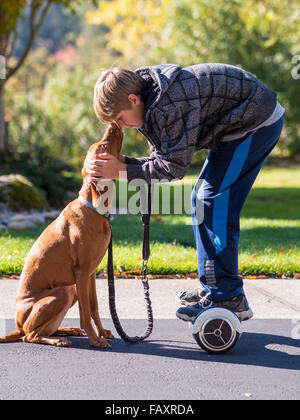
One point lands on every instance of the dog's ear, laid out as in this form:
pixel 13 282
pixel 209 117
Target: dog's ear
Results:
pixel 83 170
pixel 95 195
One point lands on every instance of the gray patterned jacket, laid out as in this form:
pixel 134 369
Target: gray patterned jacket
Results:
pixel 192 108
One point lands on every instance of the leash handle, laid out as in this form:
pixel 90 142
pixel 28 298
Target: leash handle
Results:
pixel 111 280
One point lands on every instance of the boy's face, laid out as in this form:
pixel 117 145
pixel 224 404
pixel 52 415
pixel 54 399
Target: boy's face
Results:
pixel 134 117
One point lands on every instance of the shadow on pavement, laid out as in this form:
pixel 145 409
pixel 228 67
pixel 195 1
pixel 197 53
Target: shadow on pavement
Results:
pixel 170 339
pixel 257 349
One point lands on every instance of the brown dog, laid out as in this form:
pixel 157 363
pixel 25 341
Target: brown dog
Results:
pixel 61 266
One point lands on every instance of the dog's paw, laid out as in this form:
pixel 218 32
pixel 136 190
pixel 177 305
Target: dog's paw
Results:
pixel 100 343
pixel 70 331
pixel 108 334
pixel 63 342
pixel 77 331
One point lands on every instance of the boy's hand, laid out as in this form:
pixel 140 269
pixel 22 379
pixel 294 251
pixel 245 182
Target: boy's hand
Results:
pixel 106 166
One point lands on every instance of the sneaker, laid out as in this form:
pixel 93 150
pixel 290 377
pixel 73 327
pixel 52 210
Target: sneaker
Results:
pixel 190 298
pixel 239 305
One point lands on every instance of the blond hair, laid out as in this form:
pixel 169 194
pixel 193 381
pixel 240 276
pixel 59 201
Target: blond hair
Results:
pixel 111 92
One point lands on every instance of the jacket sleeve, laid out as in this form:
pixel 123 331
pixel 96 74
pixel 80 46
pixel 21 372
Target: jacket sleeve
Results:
pixel 131 159
pixel 168 163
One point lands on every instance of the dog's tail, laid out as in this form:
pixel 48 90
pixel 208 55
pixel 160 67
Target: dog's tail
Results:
pixel 10 338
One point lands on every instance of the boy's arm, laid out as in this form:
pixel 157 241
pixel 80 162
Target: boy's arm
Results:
pixel 169 164
pixel 131 159
pixel 159 168
pixel 172 160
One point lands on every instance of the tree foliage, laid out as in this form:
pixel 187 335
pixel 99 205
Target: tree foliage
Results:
pixel 136 28
pixel 53 109
pixel 10 12
pixel 261 36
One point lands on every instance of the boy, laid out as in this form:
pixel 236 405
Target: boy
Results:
pixel 180 110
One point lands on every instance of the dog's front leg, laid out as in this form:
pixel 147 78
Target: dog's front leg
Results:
pixel 82 280
pixel 95 311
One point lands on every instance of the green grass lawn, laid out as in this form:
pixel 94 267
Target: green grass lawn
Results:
pixel 269 239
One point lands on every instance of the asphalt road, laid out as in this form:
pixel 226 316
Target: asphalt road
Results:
pixel 169 365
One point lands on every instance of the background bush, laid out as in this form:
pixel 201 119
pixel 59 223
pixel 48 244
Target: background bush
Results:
pixel 49 100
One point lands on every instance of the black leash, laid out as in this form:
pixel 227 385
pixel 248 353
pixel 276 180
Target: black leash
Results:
pixel 111 280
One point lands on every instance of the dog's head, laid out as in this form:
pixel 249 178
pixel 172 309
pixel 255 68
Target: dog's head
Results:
pixel 112 144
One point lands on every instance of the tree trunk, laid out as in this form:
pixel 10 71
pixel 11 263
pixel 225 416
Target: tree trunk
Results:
pixel 3 133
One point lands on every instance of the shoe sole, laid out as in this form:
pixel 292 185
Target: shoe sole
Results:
pixel 242 316
pixel 185 318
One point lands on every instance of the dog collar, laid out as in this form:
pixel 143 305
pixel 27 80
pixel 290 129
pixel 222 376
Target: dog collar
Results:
pixel 90 205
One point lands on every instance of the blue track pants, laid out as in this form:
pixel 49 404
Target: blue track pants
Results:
pixel 219 195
